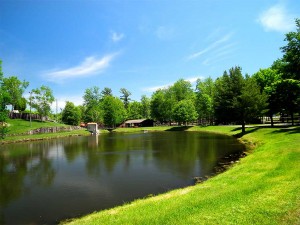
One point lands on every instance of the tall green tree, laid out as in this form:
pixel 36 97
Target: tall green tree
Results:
pixel 265 78
pixel 92 103
pixel 3 102
pixel 184 111
pixel 106 91
pixel 114 112
pixel 145 107
pixel 205 91
pixel 227 88
pixel 291 54
pixel 238 99
pixel 92 96
pixel 3 122
pixel 250 103
pixel 286 95
pixel 163 101
pixel 15 89
pixel 125 96
pixel 162 105
pixel 41 100
pixel 71 114
pixel 134 110
pixel 181 90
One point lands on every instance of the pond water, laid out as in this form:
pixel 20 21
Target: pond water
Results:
pixel 45 182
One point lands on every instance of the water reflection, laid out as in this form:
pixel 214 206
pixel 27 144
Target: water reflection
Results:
pixel 68 177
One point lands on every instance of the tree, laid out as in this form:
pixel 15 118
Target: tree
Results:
pixel 238 99
pixel 41 100
pixel 3 120
pixel 227 88
pixel 21 104
pixel 265 78
pixel 134 110
pixel 106 91
pixel 145 107
pixel 163 101
pixel 161 105
pixel 184 111
pixel 71 114
pixel 181 90
pixel 250 103
pixel 205 91
pixel 291 54
pixel 92 96
pixel 125 96
pixel 3 102
pixel 286 95
pixel 92 99
pixel 113 111
pixel 15 89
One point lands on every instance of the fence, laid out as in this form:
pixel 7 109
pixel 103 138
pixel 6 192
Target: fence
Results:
pixel 26 116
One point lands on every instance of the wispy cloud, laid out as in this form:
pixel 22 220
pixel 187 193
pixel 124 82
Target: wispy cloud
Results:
pixel 90 65
pixel 213 46
pixel 277 18
pixel 192 80
pixel 116 37
pixel 220 54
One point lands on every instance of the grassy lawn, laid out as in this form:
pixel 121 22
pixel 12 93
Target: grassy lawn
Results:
pixel 263 188
pixel 17 128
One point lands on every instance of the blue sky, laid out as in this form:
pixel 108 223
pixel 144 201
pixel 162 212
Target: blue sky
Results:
pixel 141 45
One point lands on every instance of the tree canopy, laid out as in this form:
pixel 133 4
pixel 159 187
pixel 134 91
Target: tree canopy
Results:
pixel 232 98
pixel 41 100
pixel 71 114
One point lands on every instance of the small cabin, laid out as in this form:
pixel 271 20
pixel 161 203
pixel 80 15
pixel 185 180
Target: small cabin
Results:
pixel 93 128
pixel 138 123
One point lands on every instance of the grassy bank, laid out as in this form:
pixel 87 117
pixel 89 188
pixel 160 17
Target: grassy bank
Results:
pixel 263 188
pixel 17 128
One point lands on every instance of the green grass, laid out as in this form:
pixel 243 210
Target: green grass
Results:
pixel 17 128
pixel 263 188
pixel 141 129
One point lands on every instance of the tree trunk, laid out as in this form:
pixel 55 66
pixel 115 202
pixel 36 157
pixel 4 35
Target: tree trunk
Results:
pixel 243 127
pixel 292 116
pixel 272 121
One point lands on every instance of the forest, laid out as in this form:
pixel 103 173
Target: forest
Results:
pixel 232 98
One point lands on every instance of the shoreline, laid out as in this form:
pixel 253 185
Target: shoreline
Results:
pixel 261 188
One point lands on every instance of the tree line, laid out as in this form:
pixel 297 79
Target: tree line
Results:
pixel 232 98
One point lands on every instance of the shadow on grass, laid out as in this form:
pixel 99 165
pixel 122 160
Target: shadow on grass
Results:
pixel 287 130
pixel 248 131
pixel 279 129
pixel 179 128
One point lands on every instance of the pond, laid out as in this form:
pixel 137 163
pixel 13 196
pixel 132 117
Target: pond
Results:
pixel 45 182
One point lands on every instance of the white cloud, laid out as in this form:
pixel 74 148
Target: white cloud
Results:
pixel 192 80
pixel 115 37
pixel 89 66
pixel 277 18
pixel 211 47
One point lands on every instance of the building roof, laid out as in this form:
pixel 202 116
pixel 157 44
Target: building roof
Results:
pixel 135 121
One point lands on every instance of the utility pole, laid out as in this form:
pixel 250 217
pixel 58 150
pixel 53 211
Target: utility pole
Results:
pixel 30 107
pixel 56 112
